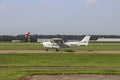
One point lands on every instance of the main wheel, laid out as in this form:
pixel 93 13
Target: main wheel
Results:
pixel 57 49
pixel 47 49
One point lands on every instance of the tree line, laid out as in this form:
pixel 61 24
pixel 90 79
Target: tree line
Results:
pixel 33 38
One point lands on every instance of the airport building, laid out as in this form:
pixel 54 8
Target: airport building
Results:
pixel 15 41
pixel 43 40
pixel 108 40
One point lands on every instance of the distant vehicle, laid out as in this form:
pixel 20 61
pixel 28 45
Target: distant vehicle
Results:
pixel 59 43
pixel 83 42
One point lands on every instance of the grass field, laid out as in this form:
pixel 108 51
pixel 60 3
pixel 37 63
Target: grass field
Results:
pixel 16 66
pixel 20 46
pixel 38 46
pixel 60 60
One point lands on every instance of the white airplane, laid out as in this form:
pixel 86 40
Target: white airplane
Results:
pixel 58 43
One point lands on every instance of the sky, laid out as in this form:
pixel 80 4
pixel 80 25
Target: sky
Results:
pixel 69 17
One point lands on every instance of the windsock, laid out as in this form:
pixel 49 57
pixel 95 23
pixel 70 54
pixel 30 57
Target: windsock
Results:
pixel 27 34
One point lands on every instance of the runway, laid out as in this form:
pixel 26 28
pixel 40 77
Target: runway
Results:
pixel 74 77
pixel 43 51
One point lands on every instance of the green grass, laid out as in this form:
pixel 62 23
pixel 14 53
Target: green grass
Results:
pixel 38 46
pixel 59 59
pixel 109 61
pixel 20 46
pixel 95 47
pixel 19 74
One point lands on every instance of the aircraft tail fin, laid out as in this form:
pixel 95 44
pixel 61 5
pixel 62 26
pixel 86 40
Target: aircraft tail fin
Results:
pixel 85 41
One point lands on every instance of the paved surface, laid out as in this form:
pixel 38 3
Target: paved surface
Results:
pixel 74 77
pixel 43 51
pixel 60 67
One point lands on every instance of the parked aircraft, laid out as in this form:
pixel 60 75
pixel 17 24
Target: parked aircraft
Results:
pixel 58 43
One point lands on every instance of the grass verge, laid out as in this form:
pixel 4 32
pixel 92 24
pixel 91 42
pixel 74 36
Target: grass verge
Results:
pixel 21 65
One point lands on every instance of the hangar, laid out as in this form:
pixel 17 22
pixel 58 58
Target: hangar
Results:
pixel 43 40
pixel 15 41
pixel 108 40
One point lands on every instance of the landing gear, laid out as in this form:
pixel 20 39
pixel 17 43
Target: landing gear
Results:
pixel 57 49
pixel 47 49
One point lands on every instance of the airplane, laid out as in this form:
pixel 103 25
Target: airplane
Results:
pixel 59 43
